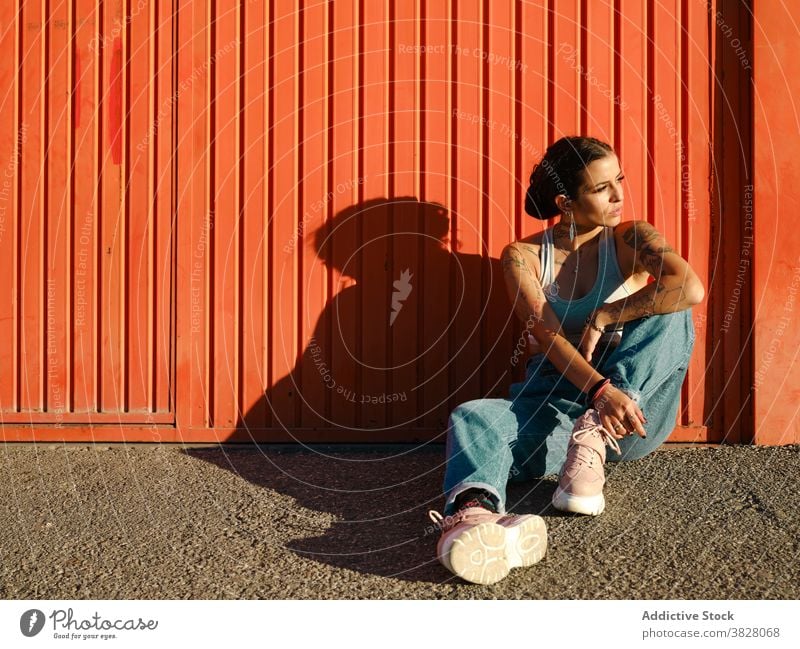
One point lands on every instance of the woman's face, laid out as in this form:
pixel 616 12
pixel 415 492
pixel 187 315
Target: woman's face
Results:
pixel 599 200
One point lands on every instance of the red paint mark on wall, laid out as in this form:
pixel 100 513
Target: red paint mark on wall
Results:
pixel 115 103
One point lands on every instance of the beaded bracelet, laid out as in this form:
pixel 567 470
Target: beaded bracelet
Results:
pixel 590 323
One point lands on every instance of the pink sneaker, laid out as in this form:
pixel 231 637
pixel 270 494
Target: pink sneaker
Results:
pixel 481 547
pixel 580 483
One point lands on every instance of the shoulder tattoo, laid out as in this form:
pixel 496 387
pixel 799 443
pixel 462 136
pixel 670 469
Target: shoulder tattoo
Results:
pixel 649 244
pixel 513 259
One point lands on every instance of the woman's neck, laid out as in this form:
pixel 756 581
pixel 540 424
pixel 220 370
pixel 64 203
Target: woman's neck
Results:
pixel 583 235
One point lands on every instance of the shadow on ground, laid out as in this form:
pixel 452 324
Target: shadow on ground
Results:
pixel 375 503
pixel 160 521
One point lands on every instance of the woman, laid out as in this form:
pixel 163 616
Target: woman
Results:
pixel 610 353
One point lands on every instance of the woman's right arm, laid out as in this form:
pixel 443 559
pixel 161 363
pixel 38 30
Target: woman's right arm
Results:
pixel 531 306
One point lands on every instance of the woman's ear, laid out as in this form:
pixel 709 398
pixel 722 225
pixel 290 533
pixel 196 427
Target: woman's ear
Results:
pixel 563 203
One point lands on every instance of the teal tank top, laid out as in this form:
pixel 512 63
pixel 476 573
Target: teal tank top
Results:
pixel 608 287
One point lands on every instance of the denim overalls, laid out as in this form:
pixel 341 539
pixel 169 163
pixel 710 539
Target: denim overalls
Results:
pixel 492 441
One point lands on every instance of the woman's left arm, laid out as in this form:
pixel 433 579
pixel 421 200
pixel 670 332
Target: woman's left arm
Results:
pixel 676 286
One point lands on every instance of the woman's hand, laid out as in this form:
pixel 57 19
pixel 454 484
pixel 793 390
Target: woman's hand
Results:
pixel 533 345
pixel 591 334
pixel 619 413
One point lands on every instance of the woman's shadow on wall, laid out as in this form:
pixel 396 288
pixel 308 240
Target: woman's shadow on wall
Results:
pixel 414 327
pixel 419 327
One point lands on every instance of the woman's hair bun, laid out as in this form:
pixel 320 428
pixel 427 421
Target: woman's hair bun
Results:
pixel 561 172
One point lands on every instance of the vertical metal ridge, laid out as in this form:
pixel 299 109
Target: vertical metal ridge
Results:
pixel 69 400
pixel 240 212
pixel 452 192
pixel 747 169
pixel 711 89
pixel 125 292
pixel 97 176
pixel 485 233
pixel 357 76
pixel 152 291
pixel 360 103
pixel 268 312
pixel 684 125
pixel 357 189
pixel 715 92
pixel 173 314
pixel 208 351
pixel 746 80
pixel 329 147
pixel 420 137
pixel 485 106
pixel 17 210
pixel 391 181
pixel 387 91
pixel 100 174
pixel 516 121
pixel 747 23
pixel 387 165
pixel 357 142
pixel 297 183
pixel 392 91
pixel 617 72
pixel 650 78
pixel 551 66
pixel 420 81
pixel 683 413
pixel 44 143
pixel 583 84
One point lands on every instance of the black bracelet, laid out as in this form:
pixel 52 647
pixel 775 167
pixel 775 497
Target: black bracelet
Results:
pixel 594 389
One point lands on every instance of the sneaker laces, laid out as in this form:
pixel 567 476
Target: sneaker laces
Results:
pixel 436 517
pixel 586 453
pixel 468 514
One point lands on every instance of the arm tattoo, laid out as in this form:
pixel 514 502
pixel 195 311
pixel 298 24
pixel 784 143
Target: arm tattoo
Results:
pixel 647 301
pixel 666 295
pixel 538 293
pixel 649 245
pixel 637 306
pixel 518 273
pixel 512 259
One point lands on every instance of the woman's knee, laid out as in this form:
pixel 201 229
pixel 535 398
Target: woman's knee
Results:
pixel 486 413
pixel 461 417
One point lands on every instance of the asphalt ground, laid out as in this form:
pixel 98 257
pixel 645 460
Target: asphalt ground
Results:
pixel 232 522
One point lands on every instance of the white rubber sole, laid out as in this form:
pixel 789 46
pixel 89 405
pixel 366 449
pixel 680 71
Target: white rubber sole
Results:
pixel 589 505
pixel 484 554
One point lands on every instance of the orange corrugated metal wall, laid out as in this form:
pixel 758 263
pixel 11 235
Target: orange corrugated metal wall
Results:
pixel 87 324
pixel 321 192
